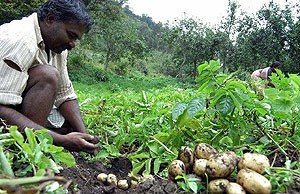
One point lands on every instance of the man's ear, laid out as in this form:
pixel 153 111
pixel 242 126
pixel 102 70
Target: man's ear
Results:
pixel 50 19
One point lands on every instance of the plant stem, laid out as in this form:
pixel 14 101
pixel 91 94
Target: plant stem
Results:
pixel 245 145
pixel 31 180
pixel 295 172
pixel 170 151
pixel 270 137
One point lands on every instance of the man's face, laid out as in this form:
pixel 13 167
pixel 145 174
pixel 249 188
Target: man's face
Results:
pixel 62 35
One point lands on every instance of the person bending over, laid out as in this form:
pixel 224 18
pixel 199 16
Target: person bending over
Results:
pixel 265 73
pixel 35 89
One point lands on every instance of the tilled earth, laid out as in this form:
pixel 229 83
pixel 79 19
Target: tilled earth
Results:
pixel 84 178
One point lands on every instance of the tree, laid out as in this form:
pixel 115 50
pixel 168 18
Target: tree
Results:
pixel 116 30
pixel 192 43
pixel 16 9
pixel 294 47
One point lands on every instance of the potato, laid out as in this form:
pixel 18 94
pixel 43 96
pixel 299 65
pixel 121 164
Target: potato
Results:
pixel 134 184
pixel 254 161
pixel 176 168
pixel 253 182
pixel 186 155
pixel 221 165
pixel 200 167
pixel 123 184
pixel 234 188
pixel 112 179
pixel 147 177
pixel 204 151
pixel 95 140
pixel 217 186
pixel 102 177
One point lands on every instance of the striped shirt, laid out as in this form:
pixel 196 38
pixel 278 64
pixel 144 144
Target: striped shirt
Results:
pixel 21 42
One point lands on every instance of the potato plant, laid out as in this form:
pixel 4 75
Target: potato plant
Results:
pixel 35 151
pixel 31 153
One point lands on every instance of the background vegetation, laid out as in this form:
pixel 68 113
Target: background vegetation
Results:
pixel 122 42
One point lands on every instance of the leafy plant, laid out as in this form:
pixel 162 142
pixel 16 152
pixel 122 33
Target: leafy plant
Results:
pixel 190 183
pixel 35 154
pixel 283 177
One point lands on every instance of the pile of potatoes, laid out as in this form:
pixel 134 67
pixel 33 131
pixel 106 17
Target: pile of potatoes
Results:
pixel 111 179
pixel 124 184
pixel 218 166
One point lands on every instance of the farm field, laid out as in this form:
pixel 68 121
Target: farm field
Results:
pixel 145 121
pixel 142 123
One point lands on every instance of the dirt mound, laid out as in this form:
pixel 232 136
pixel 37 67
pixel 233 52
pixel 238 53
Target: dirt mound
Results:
pixel 84 178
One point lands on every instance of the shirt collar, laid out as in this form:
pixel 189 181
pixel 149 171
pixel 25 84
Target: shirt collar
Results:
pixel 38 33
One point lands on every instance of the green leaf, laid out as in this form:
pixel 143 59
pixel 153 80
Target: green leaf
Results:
pixel 40 172
pixel 226 141
pixel 295 80
pixel 263 108
pixel 147 166
pixel 191 123
pixel 237 104
pixel 218 94
pixel 153 147
pixel 16 135
pixel 47 163
pixel 282 105
pixel 37 154
pixel 52 148
pixel 225 105
pixel 102 154
pixel 235 136
pixel 156 166
pixel 137 167
pixel 44 135
pixel 143 155
pixel 193 186
pixel 31 138
pixel 195 106
pixel 112 149
pixel 233 84
pixel 7 142
pixel 4 164
pixel 65 157
pixel 178 110
pixel 28 151
pixel 202 67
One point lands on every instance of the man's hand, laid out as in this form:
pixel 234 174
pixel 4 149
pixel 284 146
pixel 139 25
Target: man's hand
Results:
pixel 77 141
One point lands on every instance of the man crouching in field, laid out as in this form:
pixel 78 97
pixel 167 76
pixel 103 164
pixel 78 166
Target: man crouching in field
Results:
pixel 35 89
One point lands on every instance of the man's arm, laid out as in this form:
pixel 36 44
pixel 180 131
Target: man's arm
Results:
pixel 13 117
pixel 71 112
pixel 73 141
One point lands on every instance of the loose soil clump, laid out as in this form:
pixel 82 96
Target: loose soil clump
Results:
pixel 84 178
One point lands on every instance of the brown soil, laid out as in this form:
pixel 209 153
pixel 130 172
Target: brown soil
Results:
pixel 84 176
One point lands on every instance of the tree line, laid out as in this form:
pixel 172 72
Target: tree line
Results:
pixel 242 42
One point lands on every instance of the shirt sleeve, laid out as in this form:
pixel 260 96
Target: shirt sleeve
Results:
pixel 13 81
